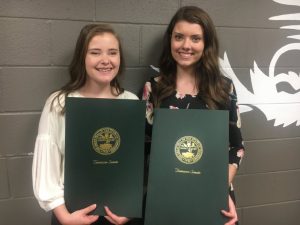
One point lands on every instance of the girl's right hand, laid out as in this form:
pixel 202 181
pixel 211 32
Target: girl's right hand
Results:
pixel 79 217
pixel 231 213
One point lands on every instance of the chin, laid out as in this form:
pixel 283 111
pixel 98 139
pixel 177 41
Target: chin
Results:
pixel 105 81
pixel 186 65
pixel 106 77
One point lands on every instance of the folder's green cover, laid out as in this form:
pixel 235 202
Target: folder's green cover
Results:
pixel 188 174
pixel 104 155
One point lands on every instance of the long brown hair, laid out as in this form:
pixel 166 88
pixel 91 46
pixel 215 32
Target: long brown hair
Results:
pixel 211 84
pixel 77 70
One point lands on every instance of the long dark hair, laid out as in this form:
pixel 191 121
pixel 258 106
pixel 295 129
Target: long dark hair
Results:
pixel 77 70
pixel 211 84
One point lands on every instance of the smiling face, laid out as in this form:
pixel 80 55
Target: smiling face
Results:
pixel 187 44
pixel 102 61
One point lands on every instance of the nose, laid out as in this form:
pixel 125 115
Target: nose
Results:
pixel 186 44
pixel 104 59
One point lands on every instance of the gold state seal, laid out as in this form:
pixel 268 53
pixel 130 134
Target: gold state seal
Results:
pixel 106 141
pixel 188 149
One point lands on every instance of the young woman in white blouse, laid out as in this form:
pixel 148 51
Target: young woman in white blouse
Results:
pixel 94 72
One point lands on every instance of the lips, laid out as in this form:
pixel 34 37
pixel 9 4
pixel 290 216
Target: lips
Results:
pixel 104 69
pixel 185 54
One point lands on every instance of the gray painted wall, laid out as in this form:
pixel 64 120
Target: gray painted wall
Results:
pixel 37 39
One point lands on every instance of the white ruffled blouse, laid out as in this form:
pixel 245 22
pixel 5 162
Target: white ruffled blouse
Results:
pixel 48 159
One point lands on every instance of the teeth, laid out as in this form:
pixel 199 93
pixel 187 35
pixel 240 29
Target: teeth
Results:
pixel 185 54
pixel 104 69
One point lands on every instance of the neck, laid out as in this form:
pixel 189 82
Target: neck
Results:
pixel 186 82
pixel 185 72
pixel 97 91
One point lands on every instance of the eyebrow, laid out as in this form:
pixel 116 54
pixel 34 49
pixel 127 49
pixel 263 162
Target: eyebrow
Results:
pixel 191 35
pixel 177 33
pixel 99 49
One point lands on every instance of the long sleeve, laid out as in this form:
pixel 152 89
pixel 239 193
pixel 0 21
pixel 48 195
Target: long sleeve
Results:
pixel 236 147
pixel 48 160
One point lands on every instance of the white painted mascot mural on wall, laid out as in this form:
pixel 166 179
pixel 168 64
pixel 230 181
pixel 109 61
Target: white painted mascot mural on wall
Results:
pixel 280 106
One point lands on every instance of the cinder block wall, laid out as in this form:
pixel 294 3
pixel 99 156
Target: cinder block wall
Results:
pixel 37 38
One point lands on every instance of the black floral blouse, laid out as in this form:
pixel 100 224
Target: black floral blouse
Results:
pixel 184 101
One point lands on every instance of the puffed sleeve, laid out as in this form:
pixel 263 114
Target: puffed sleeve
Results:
pixel 236 147
pixel 48 159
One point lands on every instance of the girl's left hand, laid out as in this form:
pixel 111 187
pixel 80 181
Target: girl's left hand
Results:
pixel 113 218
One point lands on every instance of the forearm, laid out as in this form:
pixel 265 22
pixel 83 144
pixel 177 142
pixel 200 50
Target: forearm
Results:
pixel 232 170
pixel 62 214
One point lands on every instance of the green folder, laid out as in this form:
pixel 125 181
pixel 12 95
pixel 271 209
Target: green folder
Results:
pixel 188 171
pixel 104 155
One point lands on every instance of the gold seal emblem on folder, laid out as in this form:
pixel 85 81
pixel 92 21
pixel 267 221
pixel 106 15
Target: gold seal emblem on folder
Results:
pixel 188 150
pixel 106 141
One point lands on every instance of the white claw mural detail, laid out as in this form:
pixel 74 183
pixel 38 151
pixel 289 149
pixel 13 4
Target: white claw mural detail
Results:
pixel 280 106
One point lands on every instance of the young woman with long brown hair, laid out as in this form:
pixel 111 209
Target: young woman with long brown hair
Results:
pixel 190 78
pixel 94 73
